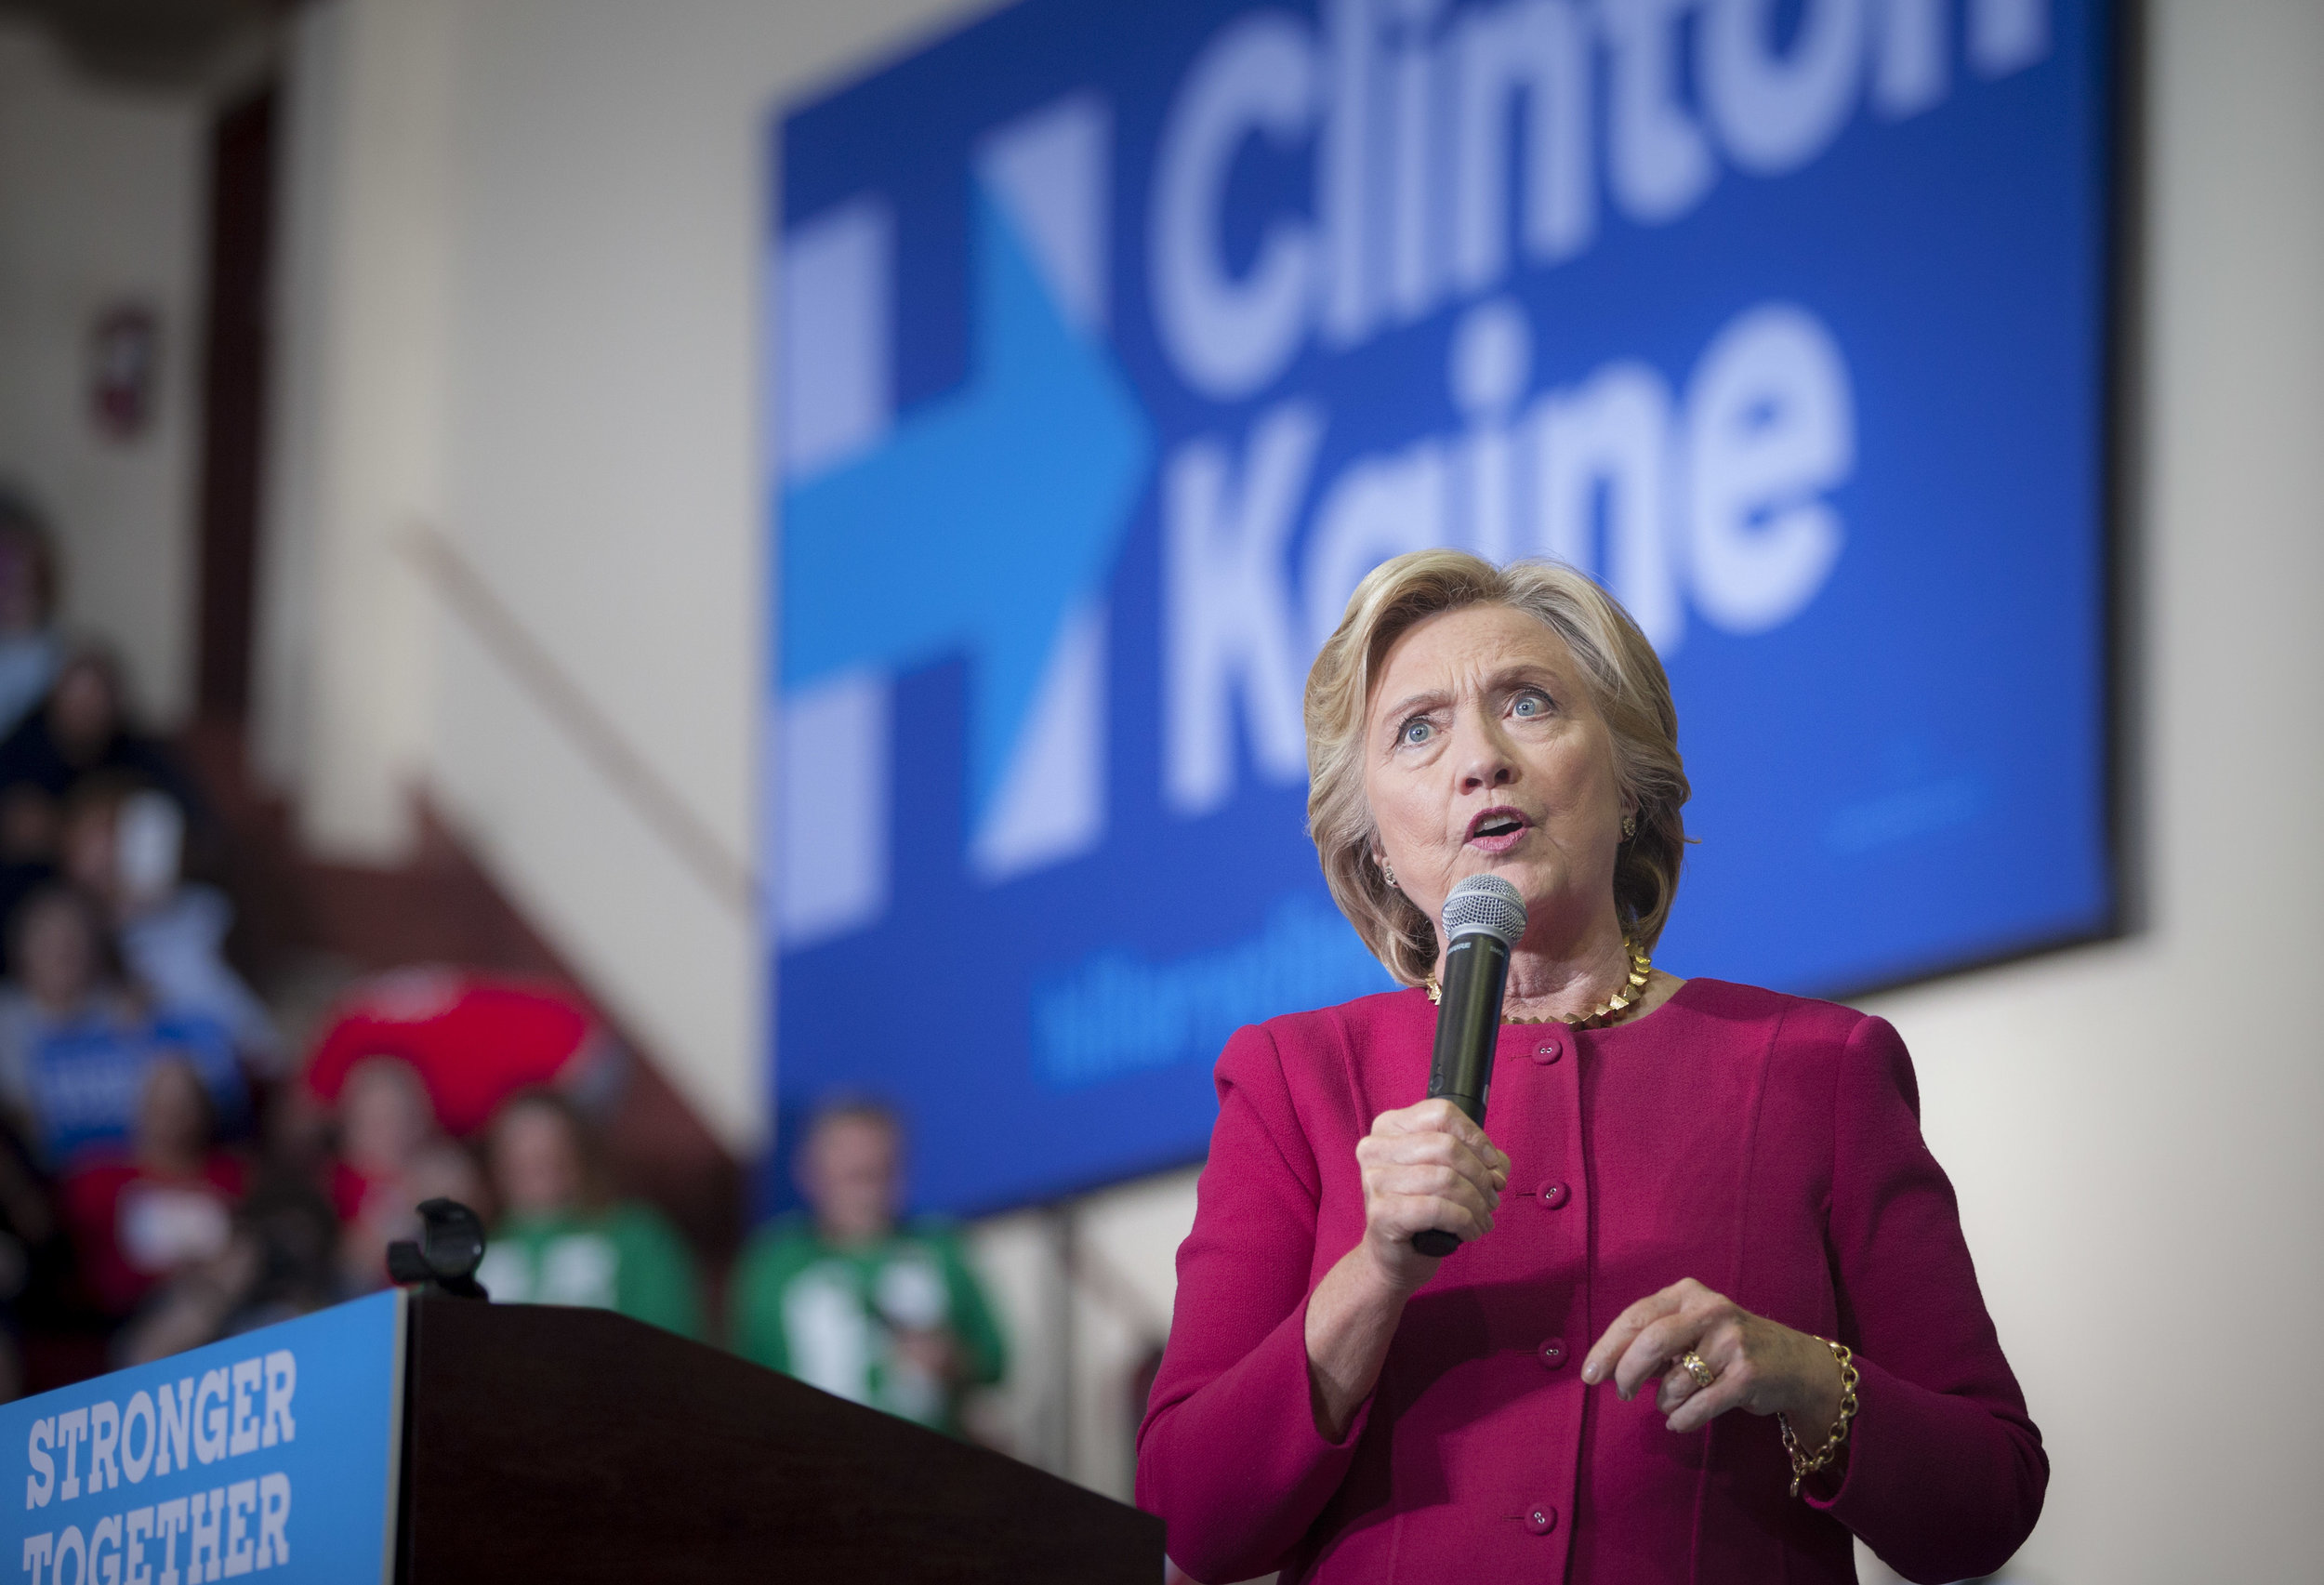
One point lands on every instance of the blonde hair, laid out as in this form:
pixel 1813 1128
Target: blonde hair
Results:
pixel 1627 684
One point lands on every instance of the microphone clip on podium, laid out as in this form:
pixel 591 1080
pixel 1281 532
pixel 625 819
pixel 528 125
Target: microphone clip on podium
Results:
pixel 443 1261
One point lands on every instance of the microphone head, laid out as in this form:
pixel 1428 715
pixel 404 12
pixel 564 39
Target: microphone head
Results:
pixel 1487 904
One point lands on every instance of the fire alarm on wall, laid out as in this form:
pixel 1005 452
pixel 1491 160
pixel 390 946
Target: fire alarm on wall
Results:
pixel 125 355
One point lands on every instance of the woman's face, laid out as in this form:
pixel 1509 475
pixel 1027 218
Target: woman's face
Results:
pixel 536 1163
pixel 1483 753
pixel 58 957
pixel 384 1118
pixel 849 1174
pixel 173 1117
pixel 89 848
pixel 83 712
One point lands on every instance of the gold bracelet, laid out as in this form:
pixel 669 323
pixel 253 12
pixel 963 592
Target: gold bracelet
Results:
pixel 1802 1465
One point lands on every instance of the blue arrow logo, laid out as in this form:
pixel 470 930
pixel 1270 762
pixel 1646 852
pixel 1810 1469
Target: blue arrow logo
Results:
pixel 895 560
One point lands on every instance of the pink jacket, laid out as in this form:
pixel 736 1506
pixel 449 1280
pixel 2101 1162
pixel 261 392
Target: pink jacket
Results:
pixel 1763 1144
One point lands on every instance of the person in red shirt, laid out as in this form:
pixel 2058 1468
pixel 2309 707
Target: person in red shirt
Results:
pixel 164 1206
pixel 474 1040
pixel 387 1128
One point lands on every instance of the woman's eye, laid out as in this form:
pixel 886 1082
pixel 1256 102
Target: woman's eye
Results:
pixel 1528 705
pixel 1416 732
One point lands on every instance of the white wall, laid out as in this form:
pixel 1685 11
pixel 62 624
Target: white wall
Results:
pixel 2130 1125
pixel 101 199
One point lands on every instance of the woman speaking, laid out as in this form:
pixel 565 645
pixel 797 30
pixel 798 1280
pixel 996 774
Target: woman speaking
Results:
pixel 1691 1198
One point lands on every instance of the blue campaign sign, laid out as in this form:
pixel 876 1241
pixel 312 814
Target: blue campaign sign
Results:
pixel 1113 343
pixel 274 1452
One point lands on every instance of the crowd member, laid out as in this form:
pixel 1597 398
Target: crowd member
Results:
pixel 80 735
pixel 474 1040
pixel 83 728
pixel 849 1298
pixel 57 979
pixel 28 849
pixel 75 1047
pixel 280 1262
pixel 564 1238
pixel 305 1238
pixel 387 1131
pixel 121 844
pixel 291 1268
pixel 140 1216
pixel 30 649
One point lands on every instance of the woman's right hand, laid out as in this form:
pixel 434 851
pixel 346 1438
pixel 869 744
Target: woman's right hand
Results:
pixel 1426 1166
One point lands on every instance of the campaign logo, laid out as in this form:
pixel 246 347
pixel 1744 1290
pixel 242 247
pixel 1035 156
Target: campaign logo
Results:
pixel 985 521
pixel 1113 345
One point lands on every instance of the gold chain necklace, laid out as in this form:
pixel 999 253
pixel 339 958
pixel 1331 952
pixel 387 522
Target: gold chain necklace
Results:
pixel 1642 968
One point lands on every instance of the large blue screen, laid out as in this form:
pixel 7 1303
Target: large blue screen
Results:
pixel 1112 341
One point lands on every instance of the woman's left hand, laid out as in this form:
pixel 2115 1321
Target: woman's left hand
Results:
pixel 1755 1364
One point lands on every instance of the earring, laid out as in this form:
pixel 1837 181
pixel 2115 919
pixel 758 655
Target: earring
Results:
pixel 1629 826
pixel 1388 873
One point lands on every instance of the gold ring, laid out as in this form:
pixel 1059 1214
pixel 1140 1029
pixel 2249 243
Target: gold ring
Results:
pixel 1696 1368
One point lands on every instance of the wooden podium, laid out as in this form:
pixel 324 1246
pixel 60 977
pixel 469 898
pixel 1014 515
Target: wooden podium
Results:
pixel 551 1443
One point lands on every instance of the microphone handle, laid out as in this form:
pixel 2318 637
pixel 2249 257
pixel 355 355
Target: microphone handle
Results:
pixel 1468 1031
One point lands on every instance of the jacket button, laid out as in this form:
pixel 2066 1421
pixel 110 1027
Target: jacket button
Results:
pixel 1552 1195
pixel 1541 1520
pixel 1548 1051
pixel 1552 1352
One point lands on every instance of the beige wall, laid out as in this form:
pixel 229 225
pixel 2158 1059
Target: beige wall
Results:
pixel 2133 1128
pixel 2130 1125
pixel 346 645
pixel 523 271
pixel 102 196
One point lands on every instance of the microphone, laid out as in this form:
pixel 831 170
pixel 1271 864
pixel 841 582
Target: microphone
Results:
pixel 1484 917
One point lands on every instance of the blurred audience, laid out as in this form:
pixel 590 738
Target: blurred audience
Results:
pixel 563 1238
pixel 281 1261
pixel 162 1206
pixel 75 1046
pixel 137 1064
pixel 121 844
pixel 57 979
pixel 850 1298
pixel 82 729
pixel 388 1134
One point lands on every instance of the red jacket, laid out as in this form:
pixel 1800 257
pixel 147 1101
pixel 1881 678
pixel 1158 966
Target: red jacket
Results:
pixel 1763 1144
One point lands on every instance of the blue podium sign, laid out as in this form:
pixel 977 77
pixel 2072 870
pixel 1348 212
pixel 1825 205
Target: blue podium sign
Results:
pixel 272 1453
pixel 1114 340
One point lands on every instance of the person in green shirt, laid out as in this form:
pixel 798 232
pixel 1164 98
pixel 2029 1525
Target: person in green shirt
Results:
pixel 563 1239
pixel 850 1300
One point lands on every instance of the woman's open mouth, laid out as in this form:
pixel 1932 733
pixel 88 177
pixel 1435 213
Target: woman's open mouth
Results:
pixel 1497 830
